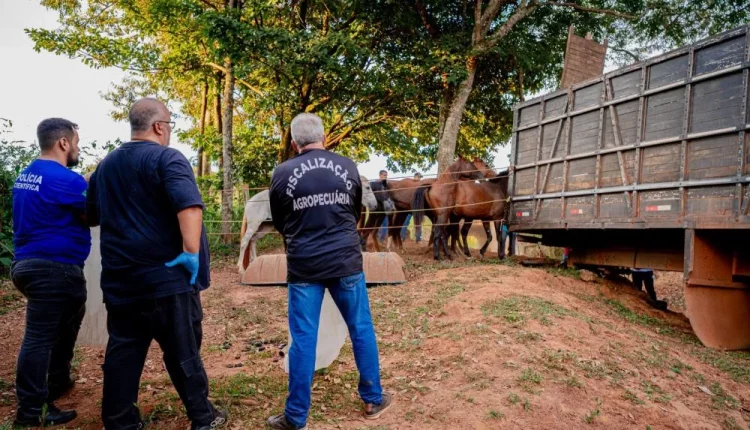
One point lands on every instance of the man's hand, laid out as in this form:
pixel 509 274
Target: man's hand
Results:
pixel 189 261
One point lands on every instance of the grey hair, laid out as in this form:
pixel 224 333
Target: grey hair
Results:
pixel 307 128
pixel 143 113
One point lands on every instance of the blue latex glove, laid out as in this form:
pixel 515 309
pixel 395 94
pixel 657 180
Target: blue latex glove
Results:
pixel 189 261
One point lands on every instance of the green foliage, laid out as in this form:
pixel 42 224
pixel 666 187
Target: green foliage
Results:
pixel 16 156
pixel 378 72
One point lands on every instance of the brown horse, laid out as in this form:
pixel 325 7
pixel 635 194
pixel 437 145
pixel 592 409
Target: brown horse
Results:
pixel 402 193
pixel 494 190
pixel 443 197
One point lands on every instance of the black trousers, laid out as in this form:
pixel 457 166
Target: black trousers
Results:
pixel 175 323
pixel 56 303
pixel 645 278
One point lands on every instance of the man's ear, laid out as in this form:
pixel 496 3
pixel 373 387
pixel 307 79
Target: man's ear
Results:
pixel 64 144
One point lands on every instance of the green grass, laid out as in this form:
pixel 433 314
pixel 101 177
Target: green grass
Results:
pixel 730 424
pixel 659 325
pixel 655 393
pixel 518 309
pixel 733 363
pixel 496 415
pixel 591 416
pixel 721 399
pixel 529 380
pixel 574 382
pixel 450 291
pixel 513 399
pixel 629 395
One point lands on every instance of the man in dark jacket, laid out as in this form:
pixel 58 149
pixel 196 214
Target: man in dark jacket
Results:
pixel 316 199
pixel 144 196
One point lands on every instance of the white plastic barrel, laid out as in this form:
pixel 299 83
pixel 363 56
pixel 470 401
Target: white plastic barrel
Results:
pixel 94 327
pixel 332 333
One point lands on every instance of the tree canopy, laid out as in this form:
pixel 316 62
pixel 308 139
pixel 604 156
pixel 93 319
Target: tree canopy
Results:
pixel 415 80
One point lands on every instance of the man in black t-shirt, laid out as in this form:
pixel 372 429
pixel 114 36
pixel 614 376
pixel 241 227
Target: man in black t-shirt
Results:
pixel 154 264
pixel 316 199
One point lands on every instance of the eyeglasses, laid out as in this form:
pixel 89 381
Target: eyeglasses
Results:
pixel 171 123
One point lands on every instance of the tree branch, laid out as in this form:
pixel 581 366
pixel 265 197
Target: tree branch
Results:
pixel 238 80
pixel 209 4
pixel 625 51
pixel 431 29
pixel 522 12
pixel 593 10
pixel 489 15
pixel 355 127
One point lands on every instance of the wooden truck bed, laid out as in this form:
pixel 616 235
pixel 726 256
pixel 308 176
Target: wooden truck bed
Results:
pixel 659 144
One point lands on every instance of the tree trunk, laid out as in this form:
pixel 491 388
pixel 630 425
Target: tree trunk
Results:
pixel 285 146
pixel 217 113
pixel 226 150
pixel 454 114
pixel 202 129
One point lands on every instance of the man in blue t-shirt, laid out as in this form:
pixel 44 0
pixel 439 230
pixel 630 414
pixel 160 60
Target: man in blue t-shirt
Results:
pixel 155 262
pixel 316 199
pixel 51 242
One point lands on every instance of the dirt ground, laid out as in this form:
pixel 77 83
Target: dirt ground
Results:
pixel 465 344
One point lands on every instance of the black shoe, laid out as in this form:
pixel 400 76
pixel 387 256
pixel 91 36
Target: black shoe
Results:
pixel 220 418
pixel 35 418
pixel 57 390
pixel 279 422
pixel 373 412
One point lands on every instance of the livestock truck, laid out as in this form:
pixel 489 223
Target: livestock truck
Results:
pixel 648 166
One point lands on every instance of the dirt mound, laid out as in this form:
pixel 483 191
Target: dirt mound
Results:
pixel 463 344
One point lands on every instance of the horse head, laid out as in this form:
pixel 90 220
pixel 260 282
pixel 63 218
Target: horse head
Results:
pixel 464 169
pixel 385 197
pixel 368 197
pixel 484 168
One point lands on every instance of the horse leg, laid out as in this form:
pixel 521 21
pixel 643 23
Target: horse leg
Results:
pixel 464 236
pixel 488 233
pixel 376 243
pixel 444 241
pixel 436 242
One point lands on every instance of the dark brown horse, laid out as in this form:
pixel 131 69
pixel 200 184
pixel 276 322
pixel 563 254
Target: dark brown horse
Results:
pixel 494 190
pixel 385 207
pixel 443 198
pixel 402 193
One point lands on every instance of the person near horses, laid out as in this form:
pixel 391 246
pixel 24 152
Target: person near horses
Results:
pixel 52 241
pixel 378 186
pixel 417 228
pixel 154 264
pixel 645 277
pixel 315 204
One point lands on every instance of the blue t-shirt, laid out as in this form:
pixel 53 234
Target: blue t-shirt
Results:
pixel 49 206
pixel 135 195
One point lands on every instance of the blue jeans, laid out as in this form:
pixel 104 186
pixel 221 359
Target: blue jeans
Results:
pixel 305 300
pixel 405 230
pixel 56 294
pixel 383 232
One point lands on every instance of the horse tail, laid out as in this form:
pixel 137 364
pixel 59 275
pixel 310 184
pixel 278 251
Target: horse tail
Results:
pixel 418 204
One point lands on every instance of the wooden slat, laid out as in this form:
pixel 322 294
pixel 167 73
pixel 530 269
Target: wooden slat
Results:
pixel 669 71
pixel 716 103
pixel 664 116
pixel 719 56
